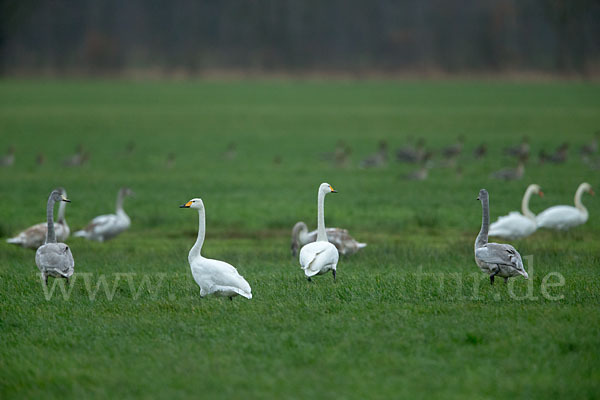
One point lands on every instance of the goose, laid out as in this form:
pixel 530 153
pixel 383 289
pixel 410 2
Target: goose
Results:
pixel 108 226
pixel 480 151
pixel 170 160
pixel 213 276
pixel 321 256
pixel 495 259
pixel 412 154
pixel 558 157
pixel 378 159
pixel 35 236
pixel 231 151
pixel 78 159
pixel 422 172
pixel 516 225
pixel 592 147
pixel 339 237
pixel 9 159
pixel 566 217
pixel 510 174
pixel 519 151
pixel 52 258
pixel 454 150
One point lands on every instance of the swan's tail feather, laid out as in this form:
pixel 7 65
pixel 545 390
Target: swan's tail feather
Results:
pixel 15 240
pixel 361 245
pixel 81 233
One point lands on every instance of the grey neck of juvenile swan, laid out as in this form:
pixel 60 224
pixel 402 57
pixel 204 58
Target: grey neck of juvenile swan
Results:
pixel 195 250
pixel 61 211
pixel 321 235
pixel 525 203
pixel 482 238
pixel 50 235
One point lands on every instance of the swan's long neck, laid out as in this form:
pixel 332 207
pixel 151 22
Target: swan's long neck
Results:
pixel 321 235
pixel 120 197
pixel 61 212
pixel 195 250
pixel 525 204
pixel 578 202
pixel 482 238
pixel 50 235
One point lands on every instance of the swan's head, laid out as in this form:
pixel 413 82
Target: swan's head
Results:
pixel 326 188
pixel 125 191
pixel 193 203
pixel 586 187
pixel 536 189
pixel 483 195
pixel 56 195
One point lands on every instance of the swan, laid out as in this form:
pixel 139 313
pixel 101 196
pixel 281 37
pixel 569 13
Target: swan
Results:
pixel 494 258
pixel 213 276
pixel 339 237
pixel 108 226
pixel 35 236
pixel 319 257
pixel 566 217
pixel 54 259
pixel 516 225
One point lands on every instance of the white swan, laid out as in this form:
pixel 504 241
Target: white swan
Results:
pixel 35 236
pixel 339 237
pixel 54 259
pixel 321 256
pixel 566 217
pixel 108 226
pixel 213 276
pixel 493 258
pixel 516 225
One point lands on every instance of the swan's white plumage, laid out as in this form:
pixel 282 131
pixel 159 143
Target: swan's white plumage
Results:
pixel 213 276
pixel 566 217
pixel 517 225
pixel 318 258
pixel 321 256
pixel 105 227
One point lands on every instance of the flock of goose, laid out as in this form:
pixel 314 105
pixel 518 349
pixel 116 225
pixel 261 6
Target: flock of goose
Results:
pixel 319 252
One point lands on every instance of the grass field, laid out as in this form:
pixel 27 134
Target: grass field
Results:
pixel 410 316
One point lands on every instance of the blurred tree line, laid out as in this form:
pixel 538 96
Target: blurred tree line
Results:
pixel 353 36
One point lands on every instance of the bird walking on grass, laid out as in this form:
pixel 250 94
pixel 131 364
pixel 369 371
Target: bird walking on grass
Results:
pixel 320 257
pixel 495 259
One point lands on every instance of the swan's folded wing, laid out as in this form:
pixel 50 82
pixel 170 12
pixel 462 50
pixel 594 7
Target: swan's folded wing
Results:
pixel 502 254
pixel 220 273
pixel 101 222
pixel 56 257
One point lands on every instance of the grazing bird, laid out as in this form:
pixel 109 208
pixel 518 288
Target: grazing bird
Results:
pixel 78 159
pixel 321 256
pixel 35 236
pixel 339 237
pixel 422 172
pixel 510 174
pixel 40 159
pixel 129 148
pixel 170 160
pixel 9 159
pixel 453 151
pixel 592 147
pixel 378 159
pixel 412 154
pixel 480 151
pixel 52 258
pixel 231 151
pixel 519 151
pixel 566 217
pixel 495 259
pixel 558 157
pixel 105 227
pixel 516 225
pixel 213 276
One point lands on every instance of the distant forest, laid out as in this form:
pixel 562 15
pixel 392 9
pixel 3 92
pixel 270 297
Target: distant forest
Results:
pixel 103 37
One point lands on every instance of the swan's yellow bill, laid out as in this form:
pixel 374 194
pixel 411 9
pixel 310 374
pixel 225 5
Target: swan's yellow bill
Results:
pixel 332 189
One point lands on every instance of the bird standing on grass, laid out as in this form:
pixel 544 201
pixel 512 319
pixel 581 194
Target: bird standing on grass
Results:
pixel 516 225
pixel 340 238
pixel 108 226
pixel 213 276
pixel 566 217
pixel 319 257
pixel 495 259
pixel 54 259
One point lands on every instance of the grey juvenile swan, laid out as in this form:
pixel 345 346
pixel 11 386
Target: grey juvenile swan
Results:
pixel 54 259
pixel 339 237
pixel 495 258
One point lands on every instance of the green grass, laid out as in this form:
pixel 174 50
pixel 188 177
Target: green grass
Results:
pixel 410 316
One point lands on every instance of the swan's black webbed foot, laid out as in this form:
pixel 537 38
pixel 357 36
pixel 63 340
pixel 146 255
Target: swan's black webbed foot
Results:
pixel 308 279
pixel 333 275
